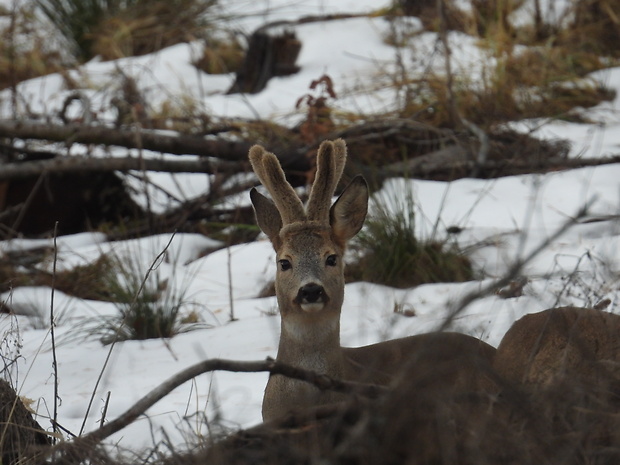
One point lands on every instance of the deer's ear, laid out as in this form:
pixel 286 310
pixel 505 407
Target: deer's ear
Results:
pixel 267 215
pixel 347 215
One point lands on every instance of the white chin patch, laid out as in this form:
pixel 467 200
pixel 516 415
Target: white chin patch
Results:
pixel 312 308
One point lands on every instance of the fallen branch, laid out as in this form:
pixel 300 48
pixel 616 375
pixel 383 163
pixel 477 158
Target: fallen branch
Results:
pixel 322 382
pixel 445 162
pixel 451 160
pixel 74 164
pixel 439 163
pixel 134 138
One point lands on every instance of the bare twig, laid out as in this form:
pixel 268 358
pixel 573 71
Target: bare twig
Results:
pixel 323 382
pixel 105 408
pixel 53 336
pixel 231 300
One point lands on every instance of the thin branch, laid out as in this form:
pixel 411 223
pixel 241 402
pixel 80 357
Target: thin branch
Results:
pixel 53 335
pixel 105 408
pixel 231 300
pixel 322 382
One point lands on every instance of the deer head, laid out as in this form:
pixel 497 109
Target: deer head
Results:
pixel 309 241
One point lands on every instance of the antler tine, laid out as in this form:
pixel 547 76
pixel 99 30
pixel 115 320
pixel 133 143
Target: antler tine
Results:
pixel 270 173
pixel 255 156
pixel 330 161
pixel 341 159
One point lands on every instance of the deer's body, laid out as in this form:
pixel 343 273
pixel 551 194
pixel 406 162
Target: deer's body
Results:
pixel 567 343
pixel 310 243
pixel 380 363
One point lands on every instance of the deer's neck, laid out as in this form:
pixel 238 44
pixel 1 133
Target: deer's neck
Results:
pixel 312 345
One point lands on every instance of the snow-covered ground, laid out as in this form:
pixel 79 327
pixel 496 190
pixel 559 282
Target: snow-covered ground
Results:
pixel 503 220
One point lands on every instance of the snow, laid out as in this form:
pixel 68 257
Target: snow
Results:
pixel 503 220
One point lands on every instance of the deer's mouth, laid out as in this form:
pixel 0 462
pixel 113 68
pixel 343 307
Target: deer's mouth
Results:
pixel 313 308
pixel 311 298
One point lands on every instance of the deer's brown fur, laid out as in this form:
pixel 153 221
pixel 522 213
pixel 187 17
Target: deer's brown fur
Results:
pixel 558 344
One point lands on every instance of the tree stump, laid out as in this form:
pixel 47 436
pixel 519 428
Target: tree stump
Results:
pixel 19 432
pixel 267 56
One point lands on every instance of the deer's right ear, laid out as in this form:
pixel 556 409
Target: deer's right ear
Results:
pixel 348 213
pixel 267 215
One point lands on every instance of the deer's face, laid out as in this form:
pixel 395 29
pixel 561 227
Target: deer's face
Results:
pixel 309 240
pixel 310 276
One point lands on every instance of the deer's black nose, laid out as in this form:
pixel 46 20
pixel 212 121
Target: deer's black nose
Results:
pixel 311 293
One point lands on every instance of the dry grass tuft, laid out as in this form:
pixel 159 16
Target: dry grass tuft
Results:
pixel 146 27
pixel 391 254
pixel 115 29
pixel 83 281
pixel 512 92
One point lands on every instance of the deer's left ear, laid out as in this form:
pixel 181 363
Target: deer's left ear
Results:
pixel 267 216
pixel 347 215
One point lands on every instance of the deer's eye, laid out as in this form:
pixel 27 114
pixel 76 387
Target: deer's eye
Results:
pixel 331 260
pixel 285 264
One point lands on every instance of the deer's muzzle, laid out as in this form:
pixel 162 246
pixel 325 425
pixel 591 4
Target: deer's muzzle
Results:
pixel 311 297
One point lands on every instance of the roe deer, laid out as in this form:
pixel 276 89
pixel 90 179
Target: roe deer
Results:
pixel 580 345
pixel 309 244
